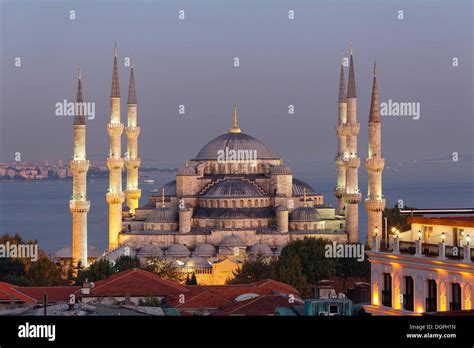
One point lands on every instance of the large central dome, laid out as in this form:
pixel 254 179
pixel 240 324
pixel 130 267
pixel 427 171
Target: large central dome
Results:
pixel 234 141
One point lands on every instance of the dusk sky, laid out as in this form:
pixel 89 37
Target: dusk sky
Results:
pixel 282 62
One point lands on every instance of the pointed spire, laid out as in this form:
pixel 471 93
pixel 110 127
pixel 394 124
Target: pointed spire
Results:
pixel 235 129
pixel 115 92
pixel 305 204
pixel 163 197
pixel 351 86
pixel 79 118
pixel 342 83
pixel 132 95
pixel 374 115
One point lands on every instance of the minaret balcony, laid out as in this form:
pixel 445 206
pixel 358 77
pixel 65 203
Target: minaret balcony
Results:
pixel 79 206
pixel 342 131
pixel 132 131
pixel 375 164
pixel 79 166
pixel 340 161
pixel 353 162
pixel 375 205
pixel 115 163
pixel 132 163
pixel 352 198
pixel 114 197
pixel 339 192
pixel 351 128
pixel 115 129
pixel 133 194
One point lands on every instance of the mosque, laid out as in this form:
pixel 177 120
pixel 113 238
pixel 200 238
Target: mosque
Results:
pixel 235 199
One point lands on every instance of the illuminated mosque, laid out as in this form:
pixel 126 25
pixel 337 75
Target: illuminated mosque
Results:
pixel 234 199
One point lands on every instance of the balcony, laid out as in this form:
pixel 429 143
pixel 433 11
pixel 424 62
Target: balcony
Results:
pixel 429 250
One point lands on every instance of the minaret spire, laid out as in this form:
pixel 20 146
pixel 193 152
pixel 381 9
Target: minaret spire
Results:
pixel 132 161
pixel 341 132
pixel 79 205
pixel 305 203
pixel 235 128
pixel 375 203
pixel 162 197
pixel 352 194
pixel 115 162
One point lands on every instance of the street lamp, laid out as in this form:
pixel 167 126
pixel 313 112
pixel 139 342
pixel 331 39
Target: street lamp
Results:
pixel 468 239
pixel 419 235
pixel 376 230
pixel 443 237
pixel 397 232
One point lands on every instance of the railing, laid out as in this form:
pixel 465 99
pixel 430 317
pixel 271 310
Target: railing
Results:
pixel 429 250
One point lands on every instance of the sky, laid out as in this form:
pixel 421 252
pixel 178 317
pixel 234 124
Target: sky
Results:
pixel 190 62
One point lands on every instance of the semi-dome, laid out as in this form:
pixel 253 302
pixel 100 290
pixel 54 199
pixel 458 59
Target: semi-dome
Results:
pixel 197 262
pixel 233 188
pixel 235 141
pixel 232 241
pixel 299 186
pixel 177 250
pixel 304 214
pixel 261 249
pixel 163 215
pixel 170 189
pixel 280 170
pixel 186 170
pixel 205 250
pixel 281 208
pixel 150 250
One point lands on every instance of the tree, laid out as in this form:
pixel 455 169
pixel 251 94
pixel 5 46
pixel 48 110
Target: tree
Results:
pixel 164 268
pixel 251 271
pixel 394 219
pixel 98 270
pixel 125 262
pixel 315 265
pixel 288 270
pixel 192 280
pixel 12 271
pixel 44 272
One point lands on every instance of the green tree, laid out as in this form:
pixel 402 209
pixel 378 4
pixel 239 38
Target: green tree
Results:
pixel 44 272
pixel 315 265
pixel 125 262
pixel 164 268
pixel 192 280
pixel 394 219
pixel 288 270
pixel 12 271
pixel 251 271
pixel 98 270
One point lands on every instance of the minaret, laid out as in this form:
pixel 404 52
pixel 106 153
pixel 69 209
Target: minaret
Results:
pixel 375 203
pixel 115 196
pixel 132 161
pixel 79 205
pixel 235 128
pixel 352 196
pixel 341 137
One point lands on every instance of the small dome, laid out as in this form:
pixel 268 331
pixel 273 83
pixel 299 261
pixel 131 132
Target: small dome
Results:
pixel 170 189
pixel 232 241
pixel 233 188
pixel 186 170
pixel 261 249
pixel 177 250
pixel 205 250
pixel 163 215
pixel 299 186
pixel 304 214
pixel 278 250
pixel 280 170
pixel 197 262
pixel 150 250
pixel 281 208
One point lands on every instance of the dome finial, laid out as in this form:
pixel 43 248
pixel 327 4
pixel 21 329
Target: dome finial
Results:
pixel 79 75
pixel 235 129
pixel 304 198
pixel 162 197
pixel 375 68
pixel 186 163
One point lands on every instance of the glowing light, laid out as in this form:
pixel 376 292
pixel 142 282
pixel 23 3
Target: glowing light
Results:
pixel 375 295
pixel 443 236
pixel 376 230
pixel 419 310
pixel 419 235
pixel 468 239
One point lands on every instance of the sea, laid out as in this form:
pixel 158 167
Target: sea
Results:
pixel 39 210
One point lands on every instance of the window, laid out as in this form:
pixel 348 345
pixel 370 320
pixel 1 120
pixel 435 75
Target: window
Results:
pixel 408 295
pixel 387 290
pixel 455 304
pixel 431 303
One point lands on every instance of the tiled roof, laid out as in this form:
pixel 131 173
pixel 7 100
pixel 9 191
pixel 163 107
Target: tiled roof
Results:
pixel 136 282
pixel 35 294
pixel 262 305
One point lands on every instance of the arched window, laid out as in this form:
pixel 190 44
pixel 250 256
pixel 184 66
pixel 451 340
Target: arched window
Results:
pixel 225 204
pixel 249 203
pixel 256 203
pixel 241 203
pixel 234 204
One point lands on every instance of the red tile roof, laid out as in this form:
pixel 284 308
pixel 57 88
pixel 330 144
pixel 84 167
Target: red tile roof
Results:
pixel 262 305
pixel 136 282
pixel 35 294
